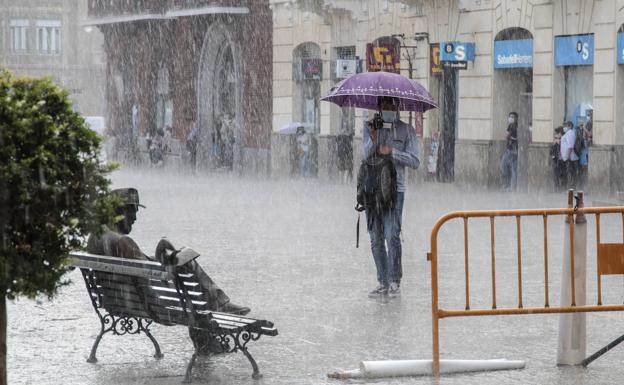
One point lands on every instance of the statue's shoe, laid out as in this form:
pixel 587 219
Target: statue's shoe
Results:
pixel 234 309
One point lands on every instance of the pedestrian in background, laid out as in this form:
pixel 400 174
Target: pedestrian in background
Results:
pixel 303 151
pixel 557 164
pixel 344 147
pixel 583 156
pixel 509 161
pixel 191 145
pixel 568 156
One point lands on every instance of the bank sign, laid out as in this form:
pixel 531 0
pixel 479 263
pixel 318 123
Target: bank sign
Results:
pixel 574 50
pixel 620 47
pixel 513 53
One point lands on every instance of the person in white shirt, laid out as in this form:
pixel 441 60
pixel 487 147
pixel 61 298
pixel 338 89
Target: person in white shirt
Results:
pixel 568 155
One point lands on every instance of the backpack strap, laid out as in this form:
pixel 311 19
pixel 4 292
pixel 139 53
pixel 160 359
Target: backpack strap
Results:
pixel 357 232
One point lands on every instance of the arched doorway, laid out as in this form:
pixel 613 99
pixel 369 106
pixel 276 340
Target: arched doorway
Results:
pixel 307 76
pixel 219 94
pixel 513 92
pixel 163 104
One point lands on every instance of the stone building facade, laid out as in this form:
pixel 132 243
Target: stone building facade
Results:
pixel 540 58
pixel 45 38
pixel 186 63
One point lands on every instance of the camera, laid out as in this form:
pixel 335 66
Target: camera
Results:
pixel 377 122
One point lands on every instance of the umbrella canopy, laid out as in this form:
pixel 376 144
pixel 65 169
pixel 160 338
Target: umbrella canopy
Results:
pixel 291 128
pixel 362 90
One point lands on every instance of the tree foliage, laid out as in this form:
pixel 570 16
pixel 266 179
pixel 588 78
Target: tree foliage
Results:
pixel 53 187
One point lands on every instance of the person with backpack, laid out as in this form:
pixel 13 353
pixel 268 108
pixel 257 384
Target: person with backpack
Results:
pixel 509 161
pixel 569 154
pixel 389 145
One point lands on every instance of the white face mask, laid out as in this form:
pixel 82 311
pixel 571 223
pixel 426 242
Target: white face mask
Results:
pixel 389 116
pixel 511 119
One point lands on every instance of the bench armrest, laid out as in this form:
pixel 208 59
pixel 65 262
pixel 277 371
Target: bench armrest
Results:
pixel 185 255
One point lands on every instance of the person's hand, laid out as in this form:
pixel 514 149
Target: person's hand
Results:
pixel 385 150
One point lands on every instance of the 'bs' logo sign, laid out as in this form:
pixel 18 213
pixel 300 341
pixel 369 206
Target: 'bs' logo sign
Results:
pixel 458 51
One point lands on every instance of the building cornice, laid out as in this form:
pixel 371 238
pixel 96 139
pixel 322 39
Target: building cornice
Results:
pixel 169 15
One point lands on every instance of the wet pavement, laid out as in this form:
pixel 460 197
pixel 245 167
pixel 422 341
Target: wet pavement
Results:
pixel 287 250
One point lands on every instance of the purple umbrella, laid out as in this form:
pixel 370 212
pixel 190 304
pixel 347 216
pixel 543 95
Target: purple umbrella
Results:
pixel 362 91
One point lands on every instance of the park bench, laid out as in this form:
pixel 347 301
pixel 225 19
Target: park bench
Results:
pixel 129 295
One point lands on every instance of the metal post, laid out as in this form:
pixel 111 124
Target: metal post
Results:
pixel 571 349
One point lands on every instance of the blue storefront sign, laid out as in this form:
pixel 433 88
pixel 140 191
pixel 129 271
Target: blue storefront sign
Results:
pixel 575 50
pixel 513 53
pixel 456 51
pixel 620 47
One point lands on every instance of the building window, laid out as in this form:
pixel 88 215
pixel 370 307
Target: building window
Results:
pixel 346 53
pixel 48 36
pixel 18 35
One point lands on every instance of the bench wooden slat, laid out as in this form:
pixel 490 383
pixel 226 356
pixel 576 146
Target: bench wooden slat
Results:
pixel 176 300
pixel 173 290
pixel 125 312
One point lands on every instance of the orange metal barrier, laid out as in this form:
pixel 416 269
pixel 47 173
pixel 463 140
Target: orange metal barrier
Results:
pixel 610 260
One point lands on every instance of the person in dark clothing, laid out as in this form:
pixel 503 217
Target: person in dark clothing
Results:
pixel 589 127
pixel 558 165
pixel 509 161
pixel 192 142
pixel 117 243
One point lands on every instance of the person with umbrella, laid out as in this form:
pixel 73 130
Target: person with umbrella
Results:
pixel 398 141
pixel 386 135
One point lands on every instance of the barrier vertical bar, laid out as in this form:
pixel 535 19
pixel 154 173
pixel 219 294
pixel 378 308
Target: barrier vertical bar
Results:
pixel 572 283
pixel 546 296
pixel 435 351
pixel 598 276
pixel 466 268
pixel 493 248
pixel 519 262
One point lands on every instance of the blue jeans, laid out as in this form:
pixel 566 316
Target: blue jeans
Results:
pixel 303 164
pixel 386 231
pixel 509 169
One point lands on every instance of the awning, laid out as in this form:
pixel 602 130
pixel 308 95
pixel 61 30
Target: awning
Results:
pixel 171 14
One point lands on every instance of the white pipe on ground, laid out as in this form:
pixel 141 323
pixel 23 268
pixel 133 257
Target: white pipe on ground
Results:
pixel 403 368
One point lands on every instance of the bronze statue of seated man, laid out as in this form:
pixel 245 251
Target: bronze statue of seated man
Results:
pixel 117 243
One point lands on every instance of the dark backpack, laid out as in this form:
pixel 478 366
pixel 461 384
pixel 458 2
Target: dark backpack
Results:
pixel 579 143
pixel 376 188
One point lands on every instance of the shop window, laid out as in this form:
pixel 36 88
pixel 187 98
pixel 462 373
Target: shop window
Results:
pixel 48 37
pixel 345 63
pixel 18 35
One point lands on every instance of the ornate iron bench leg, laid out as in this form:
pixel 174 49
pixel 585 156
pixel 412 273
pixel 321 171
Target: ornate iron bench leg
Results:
pixel 189 368
pixel 92 359
pixel 158 354
pixel 256 372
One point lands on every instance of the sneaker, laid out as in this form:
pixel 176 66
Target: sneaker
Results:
pixel 379 291
pixel 394 289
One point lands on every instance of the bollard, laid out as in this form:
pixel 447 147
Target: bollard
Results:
pixel 572 341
